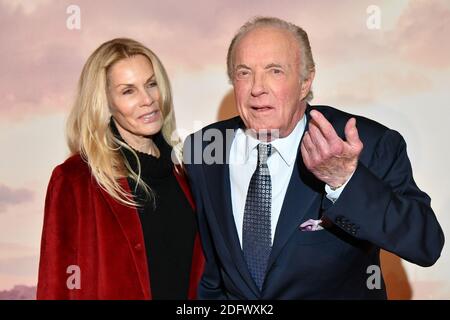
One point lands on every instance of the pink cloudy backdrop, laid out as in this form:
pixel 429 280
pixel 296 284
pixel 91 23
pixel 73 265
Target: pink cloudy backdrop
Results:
pixel 398 75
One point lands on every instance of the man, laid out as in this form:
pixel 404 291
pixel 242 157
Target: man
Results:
pixel 299 199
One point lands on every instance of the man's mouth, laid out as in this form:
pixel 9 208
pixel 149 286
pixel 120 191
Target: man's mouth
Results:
pixel 261 108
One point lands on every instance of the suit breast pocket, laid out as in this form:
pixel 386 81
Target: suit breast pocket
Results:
pixel 314 237
pixel 312 253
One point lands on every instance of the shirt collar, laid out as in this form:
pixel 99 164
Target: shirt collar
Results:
pixel 286 147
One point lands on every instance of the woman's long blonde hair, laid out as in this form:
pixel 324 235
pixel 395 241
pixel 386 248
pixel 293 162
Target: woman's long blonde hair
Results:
pixel 88 129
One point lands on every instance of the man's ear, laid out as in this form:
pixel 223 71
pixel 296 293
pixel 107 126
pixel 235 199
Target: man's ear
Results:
pixel 306 84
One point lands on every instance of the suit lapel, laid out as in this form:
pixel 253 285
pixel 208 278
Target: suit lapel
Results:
pixel 303 190
pixel 217 177
pixel 297 202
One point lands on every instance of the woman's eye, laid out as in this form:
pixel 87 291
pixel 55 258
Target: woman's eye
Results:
pixel 152 84
pixel 128 91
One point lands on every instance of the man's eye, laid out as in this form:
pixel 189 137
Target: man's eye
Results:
pixel 242 73
pixel 276 71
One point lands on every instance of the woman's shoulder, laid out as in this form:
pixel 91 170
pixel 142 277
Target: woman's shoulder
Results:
pixel 75 167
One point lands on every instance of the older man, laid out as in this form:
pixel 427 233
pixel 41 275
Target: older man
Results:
pixel 299 199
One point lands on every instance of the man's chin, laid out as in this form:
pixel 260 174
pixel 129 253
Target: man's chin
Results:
pixel 264 133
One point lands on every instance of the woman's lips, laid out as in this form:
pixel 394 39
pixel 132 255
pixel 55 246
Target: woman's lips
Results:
pixel 150 117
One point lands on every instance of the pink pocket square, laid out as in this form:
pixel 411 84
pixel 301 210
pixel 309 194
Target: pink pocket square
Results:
pixel 311 225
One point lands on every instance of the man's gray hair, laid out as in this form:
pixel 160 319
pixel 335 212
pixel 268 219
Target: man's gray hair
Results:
pixel 307 65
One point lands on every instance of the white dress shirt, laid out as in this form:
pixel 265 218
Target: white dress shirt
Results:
pixel 243 160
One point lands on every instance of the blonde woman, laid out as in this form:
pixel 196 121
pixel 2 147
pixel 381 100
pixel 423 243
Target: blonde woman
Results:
pixel 119 217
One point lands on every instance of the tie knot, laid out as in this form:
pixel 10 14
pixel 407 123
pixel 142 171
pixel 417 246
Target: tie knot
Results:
pixel 264 152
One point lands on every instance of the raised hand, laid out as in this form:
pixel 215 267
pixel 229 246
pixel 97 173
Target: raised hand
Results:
pixel 331 159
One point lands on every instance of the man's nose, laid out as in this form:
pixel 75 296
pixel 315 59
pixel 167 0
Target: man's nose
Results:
pixel 258 86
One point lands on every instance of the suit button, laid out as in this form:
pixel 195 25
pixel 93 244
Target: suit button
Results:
pixel 138 247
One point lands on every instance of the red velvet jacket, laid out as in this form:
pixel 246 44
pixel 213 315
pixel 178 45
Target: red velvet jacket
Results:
pixel 85 227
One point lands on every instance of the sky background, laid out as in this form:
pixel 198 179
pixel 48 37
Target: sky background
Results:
pixel 398 74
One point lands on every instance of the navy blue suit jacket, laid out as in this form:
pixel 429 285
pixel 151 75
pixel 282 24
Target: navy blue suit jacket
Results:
pixel 381 207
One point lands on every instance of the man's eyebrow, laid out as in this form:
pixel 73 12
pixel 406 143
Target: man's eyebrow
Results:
pixel 273 65
pixel 242 66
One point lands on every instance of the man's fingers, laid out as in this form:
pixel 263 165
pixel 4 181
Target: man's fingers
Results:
pixel 317 138
pixel 325 127
pixel 351 133
pixel 307 142
pixel 305 155
pixel 309 146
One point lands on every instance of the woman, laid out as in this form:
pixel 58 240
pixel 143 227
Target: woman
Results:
pixel 119 217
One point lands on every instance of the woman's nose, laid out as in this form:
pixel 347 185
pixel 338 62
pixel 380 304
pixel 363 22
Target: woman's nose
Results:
pixel 146 97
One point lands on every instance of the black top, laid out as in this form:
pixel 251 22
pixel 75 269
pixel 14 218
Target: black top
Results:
pixel 168 222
